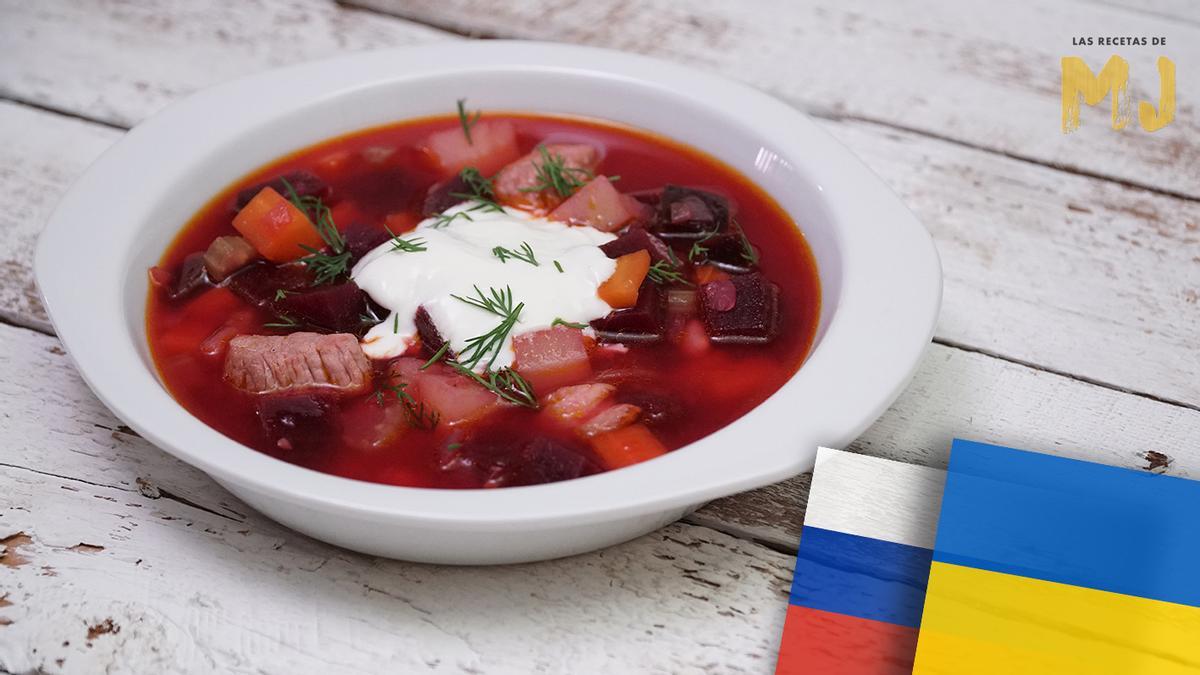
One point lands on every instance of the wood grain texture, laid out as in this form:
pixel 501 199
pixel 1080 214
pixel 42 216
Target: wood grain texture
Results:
pixel 982 73
pixel 118 62
pixel 116 531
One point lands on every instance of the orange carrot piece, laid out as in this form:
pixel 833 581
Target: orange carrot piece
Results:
pixel 628 445
pixel 276 227
pixel 621 289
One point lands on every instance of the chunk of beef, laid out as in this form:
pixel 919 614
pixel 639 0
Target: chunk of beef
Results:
pixel 741 309
pixel 338 308
pixel 299 362
pixel 688 213
pixel 305 184
pixel 226 255
pixel 644 322
pixel 638 239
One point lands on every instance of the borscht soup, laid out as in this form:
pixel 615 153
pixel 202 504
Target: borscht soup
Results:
pixel 482 300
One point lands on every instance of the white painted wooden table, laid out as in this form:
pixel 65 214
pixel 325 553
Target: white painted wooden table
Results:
pixel 1071 325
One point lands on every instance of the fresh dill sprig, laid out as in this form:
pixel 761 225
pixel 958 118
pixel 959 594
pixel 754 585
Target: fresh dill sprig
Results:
pixel 748 253
pixel 414 245
pixel 444 219
pixel 662 272
pixel 479 190
pixel 284 323
pixel 395 323
pixel 505 383
pixel 419 416
pixel 499 303
pixel 554 174
pixel 524 254
pixel 325 266
pixel 559 321
pixel 698 249
pixel 437 356
pixel 559 267
pixel 281 294
pixel 467 120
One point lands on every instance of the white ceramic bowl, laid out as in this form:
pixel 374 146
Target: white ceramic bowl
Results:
pixel 880 276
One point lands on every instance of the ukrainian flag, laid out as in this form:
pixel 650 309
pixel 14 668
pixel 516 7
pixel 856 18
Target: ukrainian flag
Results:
pixel 1050 565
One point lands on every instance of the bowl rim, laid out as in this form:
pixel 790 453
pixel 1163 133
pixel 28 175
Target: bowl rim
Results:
pixel 891 281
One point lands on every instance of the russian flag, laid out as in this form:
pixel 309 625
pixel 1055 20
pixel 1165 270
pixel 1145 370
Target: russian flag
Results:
pixel 1050 565
pixel 865 551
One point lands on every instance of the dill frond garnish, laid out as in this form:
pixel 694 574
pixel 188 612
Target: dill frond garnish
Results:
pixel 748 252
pixel 559 267
pixel 419 416
pixel 467 120
pixel 414 245
pixel 559 321
pixel 554 174
pixel 444 219
pixel 281 294
pixel 505 383
pixel 662 272
pixel 284 323
pixel 524 254
pixel 326 267
pixel 490 343
pixel 437 356
pixel 479 190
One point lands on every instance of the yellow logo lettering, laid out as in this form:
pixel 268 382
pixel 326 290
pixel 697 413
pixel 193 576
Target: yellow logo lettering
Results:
pixel 1080 83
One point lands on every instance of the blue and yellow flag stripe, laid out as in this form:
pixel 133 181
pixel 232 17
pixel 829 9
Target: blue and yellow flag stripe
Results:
pixel 1050 565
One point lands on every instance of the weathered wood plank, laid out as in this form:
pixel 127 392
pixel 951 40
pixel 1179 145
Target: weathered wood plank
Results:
pixel 984 73
pixel 118 62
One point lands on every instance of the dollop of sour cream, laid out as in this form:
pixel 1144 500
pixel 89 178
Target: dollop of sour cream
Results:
pixel 460 255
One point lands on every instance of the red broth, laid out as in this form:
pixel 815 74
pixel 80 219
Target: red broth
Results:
pixel 380 172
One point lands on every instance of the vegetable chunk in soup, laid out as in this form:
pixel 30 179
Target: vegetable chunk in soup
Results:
pixel 482 301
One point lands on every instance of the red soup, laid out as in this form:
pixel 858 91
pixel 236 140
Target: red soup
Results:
pixel 482 301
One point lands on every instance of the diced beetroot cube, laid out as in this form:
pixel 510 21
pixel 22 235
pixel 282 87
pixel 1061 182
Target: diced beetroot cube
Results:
pixel 516 185
pixel 304 183
pixel 551 358
pixel 658 406
pixel 431 338
pixel 644 322
pixel 688 213
pixel 259 283
pixel 638 239
pixel 598 205
pixel 296 422
pixel 729 252
pixel 491 146
pixel 741 309
pixel 443 195
pixel 578 402
pixel 362 238
pixel 338 308
pixel 541 460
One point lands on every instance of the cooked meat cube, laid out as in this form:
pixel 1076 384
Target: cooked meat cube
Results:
pixel 617 417
pixel 266 364
pixel 637 239
pixel 304 183
pixel 688 213
pixel 226 255
pixel 644 322
pixel 741 309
